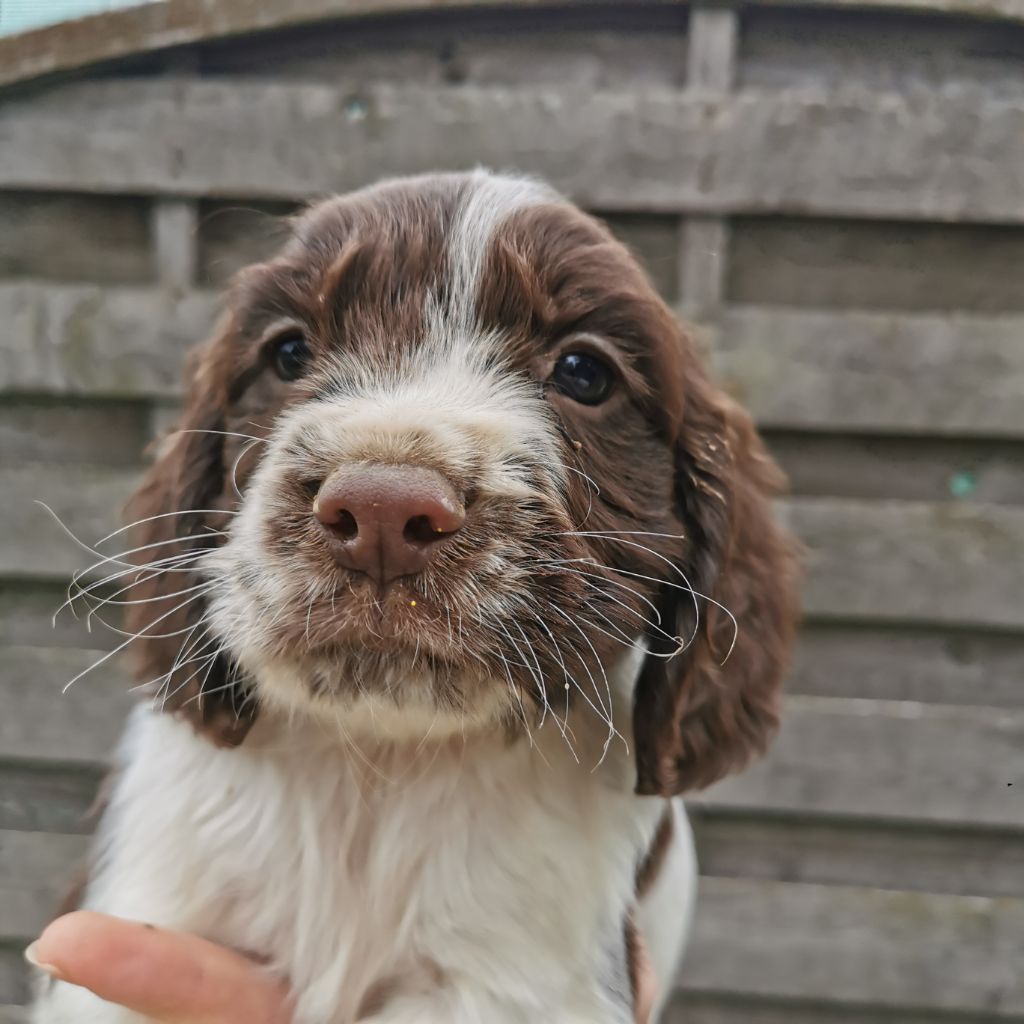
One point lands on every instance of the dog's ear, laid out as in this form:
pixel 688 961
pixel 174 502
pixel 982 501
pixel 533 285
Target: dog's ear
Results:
pixel 708 710
pixel 179 511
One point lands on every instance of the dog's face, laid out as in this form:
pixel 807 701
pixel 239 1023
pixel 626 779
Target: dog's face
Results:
pixel 448 459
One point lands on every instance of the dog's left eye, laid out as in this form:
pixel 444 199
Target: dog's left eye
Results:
pixel 291 356
pixel 583 378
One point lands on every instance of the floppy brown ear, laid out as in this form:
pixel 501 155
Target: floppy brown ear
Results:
pixel 178 510
pixel 707 711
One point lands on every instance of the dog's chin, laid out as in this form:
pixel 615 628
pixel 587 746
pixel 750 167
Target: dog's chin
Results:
pixel 384 695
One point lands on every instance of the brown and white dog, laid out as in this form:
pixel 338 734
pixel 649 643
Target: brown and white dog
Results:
pixel 457 571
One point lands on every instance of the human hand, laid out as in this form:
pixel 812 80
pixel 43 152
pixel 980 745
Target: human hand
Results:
pixel 173 978
pixel 166 976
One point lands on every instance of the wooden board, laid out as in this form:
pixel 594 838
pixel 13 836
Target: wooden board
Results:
pixel 884 561
pixel 888 760
pixel 931 665
pixel 853 371
pixel 881 266
pixel 75 238
pixel 899 949
pixel 848 153
pixel 27 610
pixel 876 759
pixel 937 469
pixel 36 870
pixel 826 850
pixel 61 432
pixel 144 29
pixel 726 1008
pixel 38 797
pixel 82 725
pixel 956 564
pixel 87 499
pixel 98 341
pixel 880 47
pixel 796 369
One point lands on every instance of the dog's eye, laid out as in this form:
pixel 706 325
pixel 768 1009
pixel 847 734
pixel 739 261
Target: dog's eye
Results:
pixel 290 356
pixel 584 378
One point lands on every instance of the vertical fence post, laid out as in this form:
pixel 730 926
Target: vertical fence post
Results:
pixel 704 240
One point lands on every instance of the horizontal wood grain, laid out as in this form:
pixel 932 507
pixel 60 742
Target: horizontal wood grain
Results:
pixel 888 760
pixel 829 850
pixel 74 237
pixel 907 949
pixel 907 468
pixel 933 665
pixel 955 564
pixel 40 797
pixel 913 373
pixel 89 341
pixel 796 369
pixel 146 29
pixel 81 725
pixel 938 156
pixel 36 870
pixel 886 561
pixel 59 431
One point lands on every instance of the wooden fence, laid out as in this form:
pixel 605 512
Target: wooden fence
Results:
pixel 832 189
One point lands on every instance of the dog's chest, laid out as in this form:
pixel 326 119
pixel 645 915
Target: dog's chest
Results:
pixel 356 879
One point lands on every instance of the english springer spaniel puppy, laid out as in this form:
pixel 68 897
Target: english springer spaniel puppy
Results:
pixel 458 570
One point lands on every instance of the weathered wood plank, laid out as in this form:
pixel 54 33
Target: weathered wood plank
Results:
pixel 714 37
pixel 93 341
pixel 174 237
pixel 27 610
pixel 14 978
pixel 876 759
pixel 820 263
pixel 75 237
pixel 840 945
pixel 705 1007
pixel 957 564
pixel 903 468
pixel 888 760
pixel 943 157
pixel 67 431
pixel 704 256
pixel 88 499
pixel 140 30
pixel 874 372
pixel 796 369
pixel 81 725
pixel 40 797
pixel 933 666
pixel 884 561
pixel 36 870
pixel 1011 10
pixel 830 851
pixel 842 44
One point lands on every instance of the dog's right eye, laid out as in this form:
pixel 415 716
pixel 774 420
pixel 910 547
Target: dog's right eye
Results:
pixel 291 356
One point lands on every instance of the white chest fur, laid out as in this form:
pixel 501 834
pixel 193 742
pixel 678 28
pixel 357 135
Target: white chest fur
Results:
pixel 479 880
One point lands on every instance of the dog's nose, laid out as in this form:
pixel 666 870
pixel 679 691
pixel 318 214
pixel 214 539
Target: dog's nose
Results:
pixel 388 521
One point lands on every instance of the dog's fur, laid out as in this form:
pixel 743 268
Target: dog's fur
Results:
pixel 450 801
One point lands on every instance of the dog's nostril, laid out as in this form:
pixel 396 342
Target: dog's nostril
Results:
pixel 423 530
pixel 345 525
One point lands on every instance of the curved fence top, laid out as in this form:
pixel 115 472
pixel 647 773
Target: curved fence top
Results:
pixel 161 24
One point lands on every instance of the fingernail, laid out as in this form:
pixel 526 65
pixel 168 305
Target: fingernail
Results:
pixel 32 956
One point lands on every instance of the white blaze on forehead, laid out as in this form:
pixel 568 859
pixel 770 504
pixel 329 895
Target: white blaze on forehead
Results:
pixel 488 203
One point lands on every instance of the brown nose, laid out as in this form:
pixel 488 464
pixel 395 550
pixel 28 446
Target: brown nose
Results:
pixel 387 521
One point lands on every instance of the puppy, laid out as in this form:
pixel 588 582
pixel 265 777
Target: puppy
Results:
pixel 458 570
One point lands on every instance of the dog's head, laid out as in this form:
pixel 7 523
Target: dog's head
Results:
pixel 450 457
